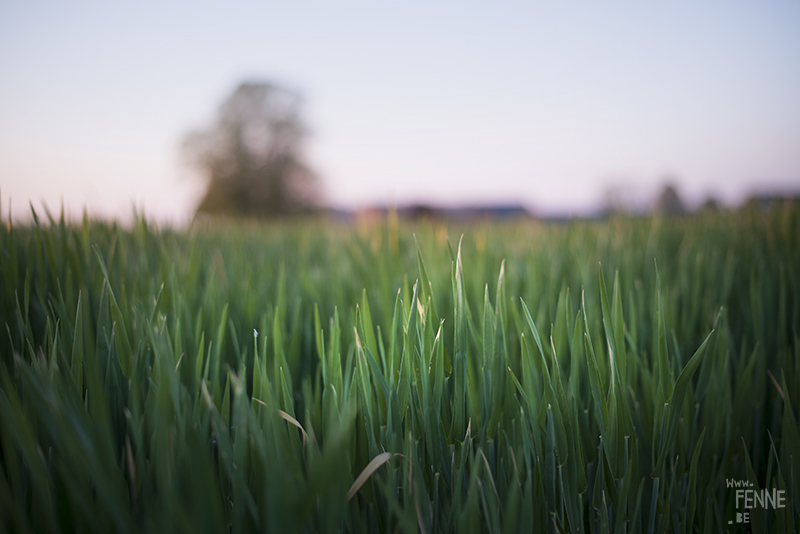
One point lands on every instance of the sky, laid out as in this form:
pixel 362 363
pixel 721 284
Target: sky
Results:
pixel 548 104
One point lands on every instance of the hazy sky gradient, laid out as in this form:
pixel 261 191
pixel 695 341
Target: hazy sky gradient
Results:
pixel 548 104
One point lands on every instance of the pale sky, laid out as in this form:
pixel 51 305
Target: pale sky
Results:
pixel 544 103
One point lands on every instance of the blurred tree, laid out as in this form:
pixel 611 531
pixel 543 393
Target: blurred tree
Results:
pixel 711 205
pixel 669 201
pixel 251 156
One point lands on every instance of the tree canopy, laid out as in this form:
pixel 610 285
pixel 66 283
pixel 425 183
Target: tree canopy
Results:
pixel 251 156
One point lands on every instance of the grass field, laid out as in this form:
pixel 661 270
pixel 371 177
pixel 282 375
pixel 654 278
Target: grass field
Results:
pixel 315 377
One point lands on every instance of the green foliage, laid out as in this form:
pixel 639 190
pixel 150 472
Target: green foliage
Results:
pixel 391 384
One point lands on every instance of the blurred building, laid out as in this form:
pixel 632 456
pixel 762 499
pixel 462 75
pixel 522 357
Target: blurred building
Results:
pixel 431 212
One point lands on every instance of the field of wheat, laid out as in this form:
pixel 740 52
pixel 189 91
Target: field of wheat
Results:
pixel 624 375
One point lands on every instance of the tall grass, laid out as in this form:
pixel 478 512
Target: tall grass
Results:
pixel 590 377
